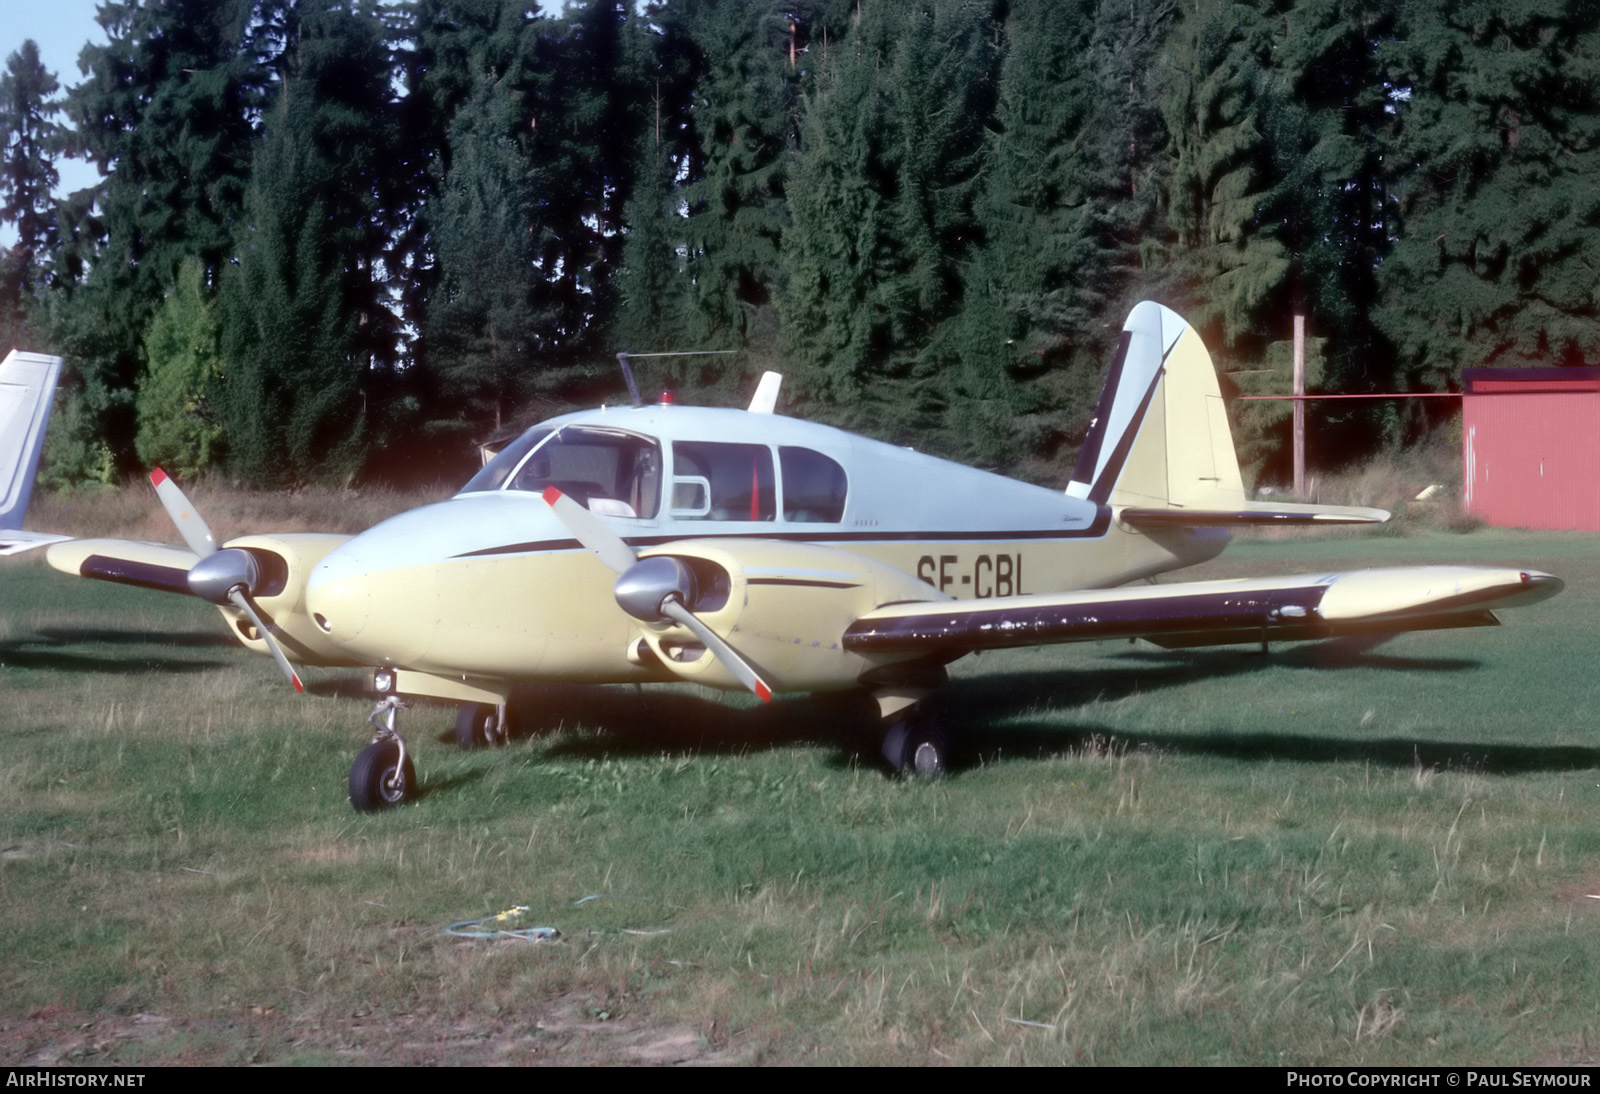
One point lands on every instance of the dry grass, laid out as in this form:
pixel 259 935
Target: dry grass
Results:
pixel 1393 481
pixel 132 511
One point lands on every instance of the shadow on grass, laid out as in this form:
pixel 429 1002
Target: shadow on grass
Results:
pixel 995 716
pixel 47 650
pixel 57 636
pixel 61 661
pixel 1038 741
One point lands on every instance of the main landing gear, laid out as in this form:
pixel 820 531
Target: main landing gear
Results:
pixel 383 774
pixel 916 747
pixel 482 725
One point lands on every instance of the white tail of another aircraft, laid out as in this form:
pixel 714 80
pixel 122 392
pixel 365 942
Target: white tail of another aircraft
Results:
pixel 1159 449
pixel 27 385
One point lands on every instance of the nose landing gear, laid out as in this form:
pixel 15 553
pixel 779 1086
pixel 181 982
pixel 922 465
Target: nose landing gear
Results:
pixel 383 774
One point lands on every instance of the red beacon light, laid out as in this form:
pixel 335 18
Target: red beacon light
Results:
pixel 666 398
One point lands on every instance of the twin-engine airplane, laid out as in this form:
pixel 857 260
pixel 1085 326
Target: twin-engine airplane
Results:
pixel 743 549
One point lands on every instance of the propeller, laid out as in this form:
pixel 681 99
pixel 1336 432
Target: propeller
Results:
pixel 222 575
pixel 651 590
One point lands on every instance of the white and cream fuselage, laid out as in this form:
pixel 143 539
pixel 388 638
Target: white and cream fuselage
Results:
pixel 491 587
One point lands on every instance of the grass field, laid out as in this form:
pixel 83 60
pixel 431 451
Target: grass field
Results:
pixel 1343 853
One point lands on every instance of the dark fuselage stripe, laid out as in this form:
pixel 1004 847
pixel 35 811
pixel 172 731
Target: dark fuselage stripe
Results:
pixel 809 583
pixel 1094 530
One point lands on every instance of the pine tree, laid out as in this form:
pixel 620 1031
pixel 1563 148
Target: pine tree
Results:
pixel 1219 176
pixel 485 327
pixel 581 138
pixel 446 49
pixel 304 322
pixel 177 428
pixel 1499 219
pixel 882 203
pixel 29 141
pixel 1013 371
pixel 166 111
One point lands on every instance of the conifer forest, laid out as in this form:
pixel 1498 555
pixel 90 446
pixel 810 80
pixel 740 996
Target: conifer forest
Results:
pixel 342 240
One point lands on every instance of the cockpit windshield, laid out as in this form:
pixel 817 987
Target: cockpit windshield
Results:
pixel 613 472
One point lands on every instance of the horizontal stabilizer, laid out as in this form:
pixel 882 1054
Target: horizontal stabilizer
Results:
pixel 1254 513
pixel 13 541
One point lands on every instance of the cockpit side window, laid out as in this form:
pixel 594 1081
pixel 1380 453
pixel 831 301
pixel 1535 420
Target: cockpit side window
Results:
pixel 715 481
pixel 814 486
pixel 611 472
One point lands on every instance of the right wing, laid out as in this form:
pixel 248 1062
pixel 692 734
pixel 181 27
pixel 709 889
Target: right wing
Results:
pixel 1196 613
pixel 126 562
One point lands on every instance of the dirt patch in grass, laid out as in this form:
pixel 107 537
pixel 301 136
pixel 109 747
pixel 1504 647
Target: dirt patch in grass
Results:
pixel 568 1029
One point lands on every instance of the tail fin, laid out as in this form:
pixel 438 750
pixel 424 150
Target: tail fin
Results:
pixel 1159 448
pixel 27 384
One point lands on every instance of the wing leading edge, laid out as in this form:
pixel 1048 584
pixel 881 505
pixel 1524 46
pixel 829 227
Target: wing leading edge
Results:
pixel 1310 606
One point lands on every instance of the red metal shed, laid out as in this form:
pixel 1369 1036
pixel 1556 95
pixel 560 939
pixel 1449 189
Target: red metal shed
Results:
pixel 1531 446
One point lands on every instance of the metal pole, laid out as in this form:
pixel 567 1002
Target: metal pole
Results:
pixel 1300 406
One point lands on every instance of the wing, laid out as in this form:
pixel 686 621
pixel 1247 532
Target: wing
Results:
pixel 13 541
pixel 126 562
pixel 1310 606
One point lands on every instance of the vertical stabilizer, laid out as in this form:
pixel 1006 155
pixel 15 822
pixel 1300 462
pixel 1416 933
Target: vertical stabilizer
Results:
pixel 1160 432
pixel 1159 448
pixel 27 385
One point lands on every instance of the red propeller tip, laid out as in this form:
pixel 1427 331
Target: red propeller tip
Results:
pixel 157 477
pixel 551 495
pixel 763 692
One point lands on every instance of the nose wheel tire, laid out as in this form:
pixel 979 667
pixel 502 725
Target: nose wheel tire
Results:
pixel 479 725
pixel 379 778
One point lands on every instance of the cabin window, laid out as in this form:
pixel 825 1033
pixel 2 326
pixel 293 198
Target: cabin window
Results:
pixel 813 487
pixel 712 481
pixel 613 473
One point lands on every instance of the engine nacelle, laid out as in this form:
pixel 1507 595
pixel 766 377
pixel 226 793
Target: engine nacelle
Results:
pixel 784 606
pixel 284 563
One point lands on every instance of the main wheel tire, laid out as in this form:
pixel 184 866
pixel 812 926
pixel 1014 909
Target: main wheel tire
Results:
pixel 917 748
pixel 927 754
pixel 478 725
pixel 378 779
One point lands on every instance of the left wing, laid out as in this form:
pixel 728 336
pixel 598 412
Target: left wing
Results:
pixel 1197 613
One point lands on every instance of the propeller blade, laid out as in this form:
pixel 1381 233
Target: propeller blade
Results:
pixel 183 514
pixel 723 652
pixel 590 531
pixel 242 602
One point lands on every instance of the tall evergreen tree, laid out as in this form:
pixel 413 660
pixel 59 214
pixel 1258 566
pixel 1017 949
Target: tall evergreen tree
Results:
pixel 166 111
pixel 304 322
pixel 1013 361
pixel 581 125
pixel 1219 174
pixel 446 50
pixel 1499 224
pixel 29 140
pixel 882 207
pixel 485 324
pixel 177 427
